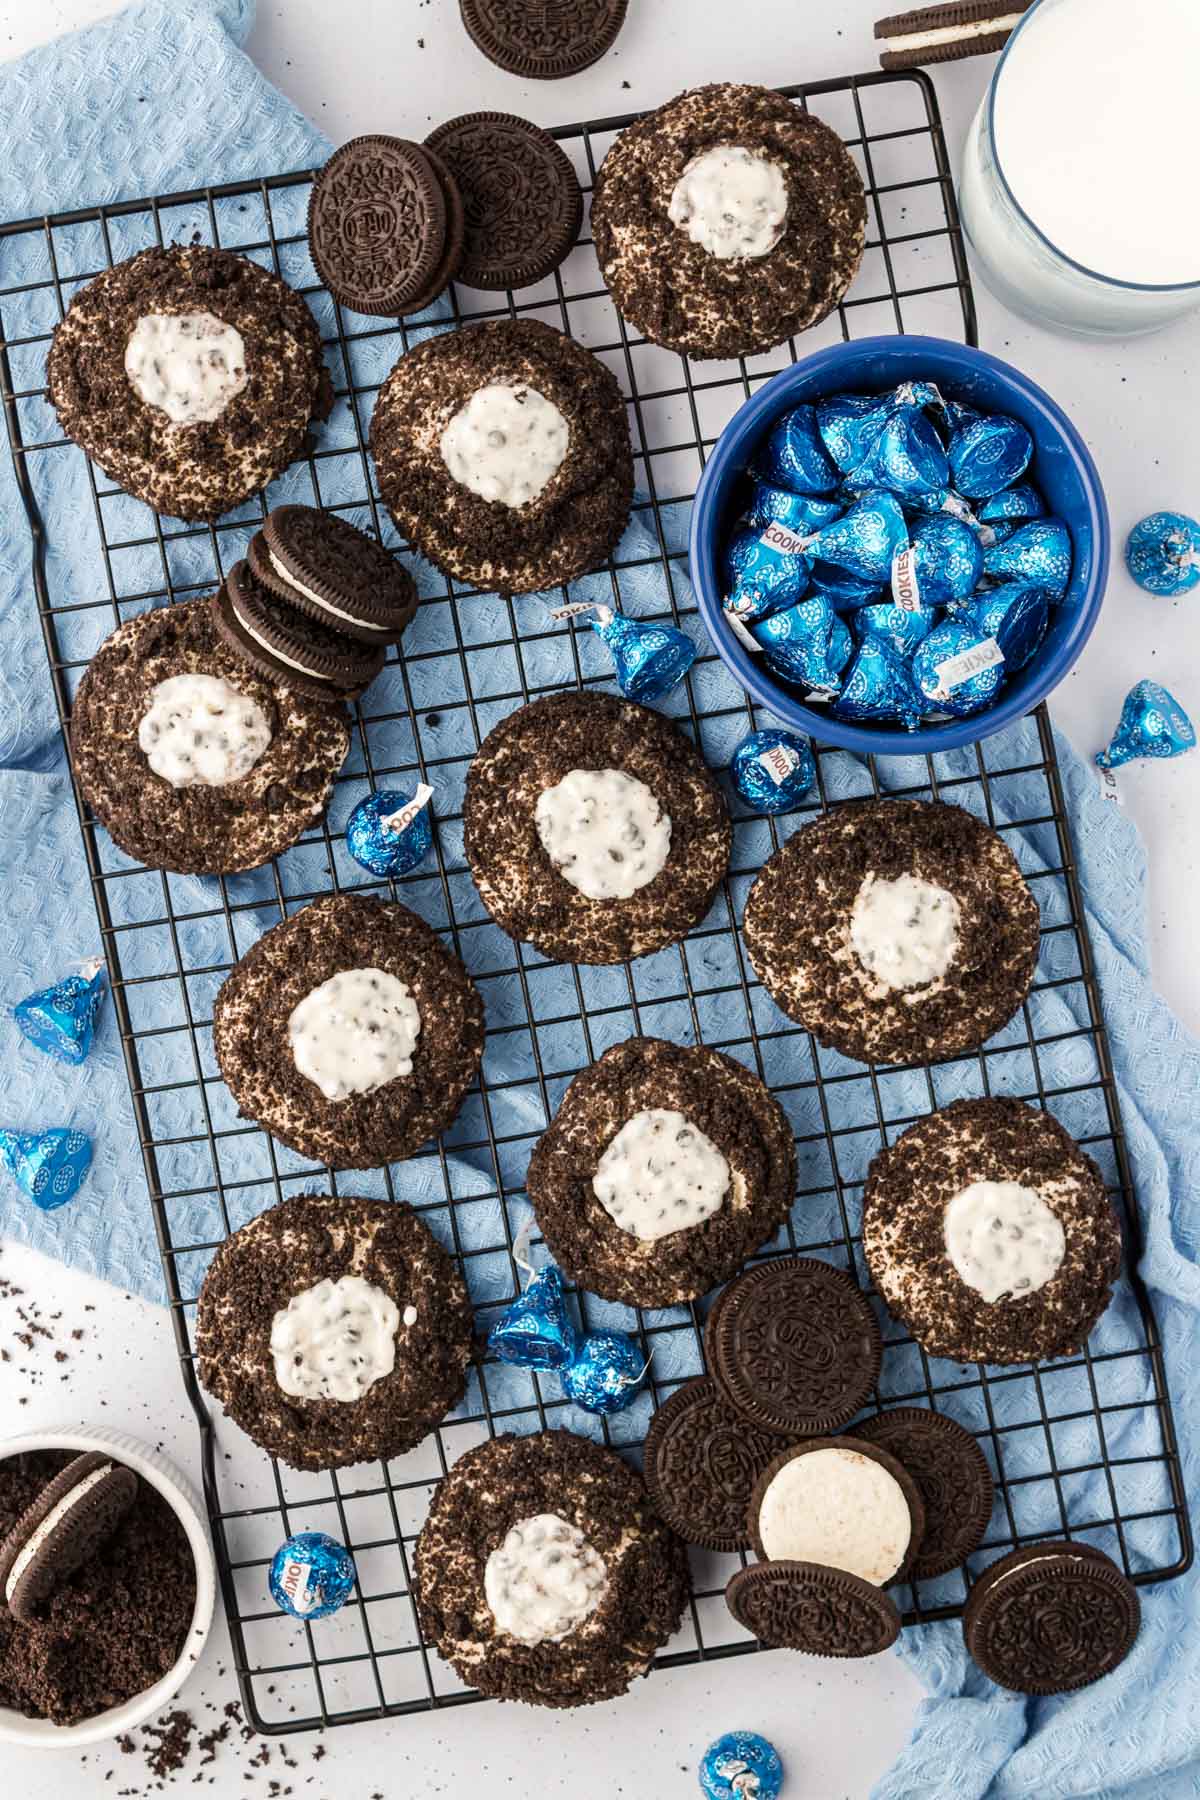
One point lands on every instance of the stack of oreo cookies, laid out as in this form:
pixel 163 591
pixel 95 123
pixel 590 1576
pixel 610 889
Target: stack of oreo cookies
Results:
pixel 746 1457
pixel 315 603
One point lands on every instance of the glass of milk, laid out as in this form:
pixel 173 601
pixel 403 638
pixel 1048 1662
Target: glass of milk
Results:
pixel 1079 173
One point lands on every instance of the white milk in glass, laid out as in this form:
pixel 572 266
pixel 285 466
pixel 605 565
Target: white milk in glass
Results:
pixel 1078 186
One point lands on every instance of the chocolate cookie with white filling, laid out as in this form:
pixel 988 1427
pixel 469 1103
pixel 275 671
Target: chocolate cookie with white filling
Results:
pixel 503 455
pixel 192 759
pixel 727 221
pixel 894 930
pixel 191 375
pixel 349 1032
pixel 334 1331
pixel 543 1574
pixel 664 1168
pixel 593 829
pixel 989 1234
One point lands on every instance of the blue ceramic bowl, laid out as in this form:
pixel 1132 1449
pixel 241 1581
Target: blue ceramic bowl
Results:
pixel 1062 468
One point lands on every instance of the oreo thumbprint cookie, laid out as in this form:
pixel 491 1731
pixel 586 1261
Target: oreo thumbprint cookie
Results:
pixel 503 455
pixel 665 1167
pixel 894 930
pixel 989 1234
pixel 334 1331
pixel 194 759
pixel 349 1032
pixel 728 221
pixel 542 1573
pixel 190 375
pixel 593 828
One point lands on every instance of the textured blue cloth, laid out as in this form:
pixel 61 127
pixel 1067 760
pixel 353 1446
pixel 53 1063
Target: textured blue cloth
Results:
pixel 160 99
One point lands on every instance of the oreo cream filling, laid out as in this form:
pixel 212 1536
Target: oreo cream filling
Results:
pixel 731 201
pixel 188 365
pixel 660 1174
pixel 199 731
pixel 543 1580
pixel 50 1524
pixel 839 1508
pixel 1003 1240
pixel 326 605
pixel 604 831
pixel 335 1340
pixel 355 1033
pixel 904 932
pixel 506 444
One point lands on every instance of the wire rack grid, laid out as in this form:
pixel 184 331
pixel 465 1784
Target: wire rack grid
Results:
pixel 1084 1446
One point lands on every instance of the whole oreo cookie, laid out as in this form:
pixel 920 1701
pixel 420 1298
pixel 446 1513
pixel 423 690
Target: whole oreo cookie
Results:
pixel 664 1168
pixel 988 1232
pixel 953 1477
pixel 334 1331
pixel 521 197
pixel 937 34
pixel 191 375
pixel 1051 1618
pixel 326 567
pixel 806 1606
pixel 643 778
pixel 894 930
pixel 489 1577
pixel 349 1032
pixel 503 454
pixel 727 220
pixel 795 1346
pixel 176 819
pixel 74 1515
pixel 377 226
pixel 289 645
pixel 543 40
pixel 701 1461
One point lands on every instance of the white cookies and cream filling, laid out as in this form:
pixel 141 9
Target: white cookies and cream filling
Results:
pixel 604 831
pixel 50 1524
pixel 731 201
pixel 543 1580
pixel 355 1032
pixel 188 365
pixel 506 444
pixel 1003 1239
pixel 837 1507
pixel 660 1174
pixel 335 1340
pixel 904 932
pixel 199 731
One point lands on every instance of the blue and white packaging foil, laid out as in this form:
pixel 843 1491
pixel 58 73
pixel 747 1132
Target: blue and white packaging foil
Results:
pixel 958 668
pixel 1162 553
pixel 988 454
pixel 793 456
pixel 773 769
pixel 1152 724
pixel 878 686
pixel 1038 554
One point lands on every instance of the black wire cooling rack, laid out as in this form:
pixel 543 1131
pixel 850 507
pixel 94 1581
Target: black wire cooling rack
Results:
pixel 1084 1446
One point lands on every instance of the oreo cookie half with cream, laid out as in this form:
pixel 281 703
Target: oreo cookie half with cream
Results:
pixel 840 1502
pixel 287 644
pixel 326 567
pixel 74 1515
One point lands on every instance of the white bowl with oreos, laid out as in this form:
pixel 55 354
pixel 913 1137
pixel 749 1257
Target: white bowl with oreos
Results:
pixel 158 1474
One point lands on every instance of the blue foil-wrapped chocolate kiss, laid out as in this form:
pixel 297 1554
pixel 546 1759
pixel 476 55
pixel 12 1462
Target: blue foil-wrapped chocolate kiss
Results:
pixel 904 627
pixel 1016 617
pixel 801 513
pixel 311 1576
pixel 773 769
pixel 808 645
pixel 878 686
pixel 989 454
pixel 958 668
pixel 1038 555
pixel 60 1020
pixel 864 541
pixel 606 1371
pixel 391 832
pixel 1152 724
pixel 536 1330
pixel 766 567
pixel 49 1166
pixel 907 458
pixel 942 565
pixel 1163 554
pixel 793 456
pixel 649 659
pixel 741 1766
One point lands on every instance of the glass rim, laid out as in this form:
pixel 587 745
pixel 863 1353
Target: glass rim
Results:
pixel 1109 281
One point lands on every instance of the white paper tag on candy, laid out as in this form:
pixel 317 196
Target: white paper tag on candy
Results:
pixel 741 632
pixel 782 538
pixel 956 669
pixel 906 589
pixel 1108 786
pixel 296 1582
pixel 779 760
pixel 400 820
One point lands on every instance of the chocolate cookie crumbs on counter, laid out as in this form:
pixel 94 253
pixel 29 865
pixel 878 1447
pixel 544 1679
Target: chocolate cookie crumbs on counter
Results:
pixel 111 1629
pixel 989 1234
pixel 593 828
pixel 334 1331
pixel 520 193
pixel 257 779
pixel 894 930
pixel 191 375
pixel 506 1509
pixel 503 455
pixel 349 1032
pixel 727 221
pixel 664 1168
pixel 543 43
